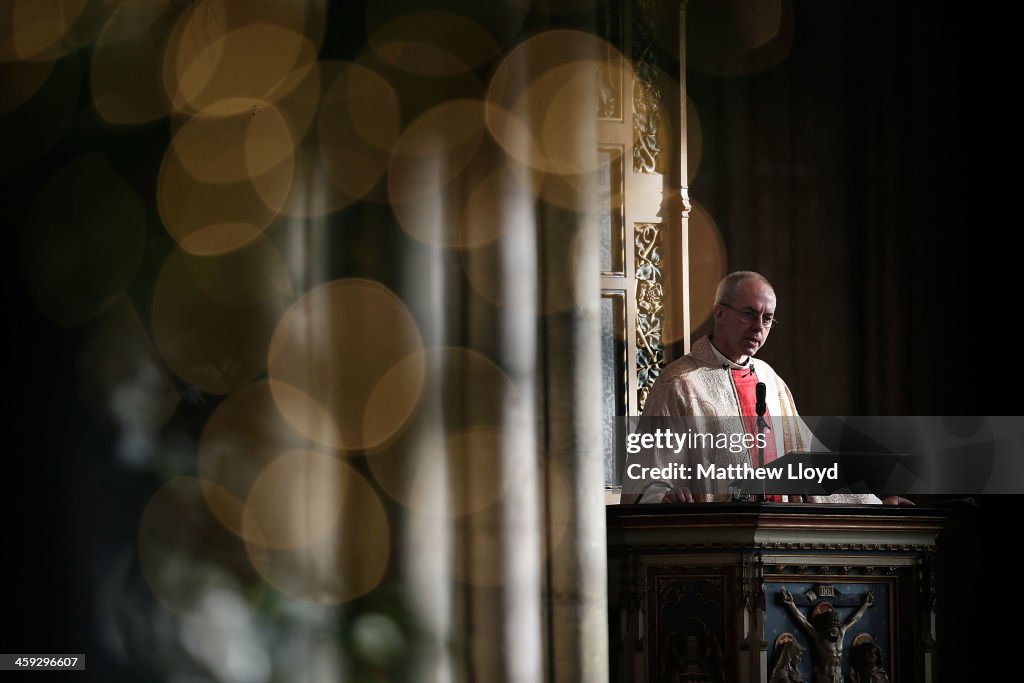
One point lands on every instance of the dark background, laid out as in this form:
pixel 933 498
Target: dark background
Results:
pixel 870 175
pixel 862 176
pixel 867 176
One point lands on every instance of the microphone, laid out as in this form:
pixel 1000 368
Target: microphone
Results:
pixel 760 406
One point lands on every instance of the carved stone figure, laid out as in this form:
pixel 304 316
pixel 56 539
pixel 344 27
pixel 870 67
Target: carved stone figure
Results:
pixel 787 665
pixel 691 655
pixel 866 661
pixel 828 633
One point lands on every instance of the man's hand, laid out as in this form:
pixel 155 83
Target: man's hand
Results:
pixel 787 597
pixel 896 500
pixel 678 494
pixel 869 598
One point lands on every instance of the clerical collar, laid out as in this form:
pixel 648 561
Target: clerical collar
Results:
pixel 725 362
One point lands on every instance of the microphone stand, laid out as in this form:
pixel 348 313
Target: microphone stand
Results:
pixel 761 407
pixel 762 424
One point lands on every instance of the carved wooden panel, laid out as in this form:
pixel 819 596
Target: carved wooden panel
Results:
pixel 650 306
pixel 639 216
pixel 648 113
pixel 690 636
pixel 865 628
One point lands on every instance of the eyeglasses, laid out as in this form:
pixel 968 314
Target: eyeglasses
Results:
pixel 751 316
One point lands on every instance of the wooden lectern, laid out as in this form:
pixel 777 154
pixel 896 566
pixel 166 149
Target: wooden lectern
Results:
pixel 761 592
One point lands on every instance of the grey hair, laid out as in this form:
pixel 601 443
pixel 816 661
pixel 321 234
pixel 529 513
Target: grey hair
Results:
pixel 726 291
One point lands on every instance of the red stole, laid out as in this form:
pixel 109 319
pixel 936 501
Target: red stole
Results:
pixel 746 380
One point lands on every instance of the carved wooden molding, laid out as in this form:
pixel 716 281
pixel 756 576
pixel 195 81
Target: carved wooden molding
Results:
pixel 650 304
pixel 830 571
pixel 647 108
pixel 882 547
pixel 720 546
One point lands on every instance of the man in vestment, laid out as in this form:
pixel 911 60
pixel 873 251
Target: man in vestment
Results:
pixel 716 383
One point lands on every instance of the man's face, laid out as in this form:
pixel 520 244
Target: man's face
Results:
pixel 833 628
pixel 734 336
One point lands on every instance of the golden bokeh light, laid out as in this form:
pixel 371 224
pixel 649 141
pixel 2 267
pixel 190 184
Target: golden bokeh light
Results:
pixel 228 509
pixel 213 316
pixel 329 353
pixel 249 278
pixel 184 554
pixel 391 400
pixel 499 277
pixel 83 241
pixel 504 272
pixel 35 29
pixel 126 67
pixel 224 52
pixel 358 124
pixel 429 60
pixel 418 93
pixel 125 21
pixel 472 471
pixel 245 64
pixel 242 437
pixel 502 198
pixel 541 92
pixel 299 99
pixel 434 149
pixel 738 38
pixel 372 105
pixel 460 404
pixel 298 95
pixel 325 534
pixel 573 191
pixel 424 42
pixel 297 499
pixel 307 416
pixel 514 133
pixel 312 194
pixel 491 193
pixel 565 142
pixel 87 27
pixel 217 218
pixel 225 149
pixel 708 264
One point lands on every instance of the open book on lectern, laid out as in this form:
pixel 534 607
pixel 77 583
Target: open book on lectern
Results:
pixel 821 473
